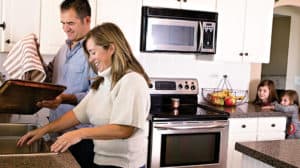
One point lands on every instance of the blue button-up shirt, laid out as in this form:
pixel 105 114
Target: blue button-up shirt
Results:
pixel 71 69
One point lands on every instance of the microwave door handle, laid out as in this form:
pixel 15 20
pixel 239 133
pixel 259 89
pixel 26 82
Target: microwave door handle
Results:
pixel 192 127
pixel 200 36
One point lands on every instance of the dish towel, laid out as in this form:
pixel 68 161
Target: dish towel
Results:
pixel 24 61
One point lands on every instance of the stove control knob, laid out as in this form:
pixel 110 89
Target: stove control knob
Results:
pixel 186 87
pixel 193 87
pixel 180 86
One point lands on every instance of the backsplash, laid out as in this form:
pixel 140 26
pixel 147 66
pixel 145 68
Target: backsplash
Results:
pixel 208 72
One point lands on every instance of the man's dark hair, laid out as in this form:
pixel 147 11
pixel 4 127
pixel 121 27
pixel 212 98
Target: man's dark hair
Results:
pixel 82 7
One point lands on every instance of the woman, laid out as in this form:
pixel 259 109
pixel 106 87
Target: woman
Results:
pixel 117 104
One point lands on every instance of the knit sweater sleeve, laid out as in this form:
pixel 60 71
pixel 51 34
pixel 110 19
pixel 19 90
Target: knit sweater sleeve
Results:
pixel 282 108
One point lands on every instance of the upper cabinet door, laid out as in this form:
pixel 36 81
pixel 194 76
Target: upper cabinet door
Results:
pixel 258 30
pixel 52 35
pixel 230 35
pixel 244 31
pixel 21 18
pixel 127 18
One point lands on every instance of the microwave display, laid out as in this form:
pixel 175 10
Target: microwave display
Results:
pixel 173 30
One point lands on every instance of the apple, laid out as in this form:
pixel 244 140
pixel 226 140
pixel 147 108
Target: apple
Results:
pixel 229 101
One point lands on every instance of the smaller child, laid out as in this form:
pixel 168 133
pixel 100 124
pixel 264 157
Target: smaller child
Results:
pixel 290 104
pixel 266 93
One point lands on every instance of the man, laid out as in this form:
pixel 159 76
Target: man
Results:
pixel 70 68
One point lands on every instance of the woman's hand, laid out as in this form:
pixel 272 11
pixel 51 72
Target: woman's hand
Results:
pixel 31 136
pixel 66 140
pixel 52 104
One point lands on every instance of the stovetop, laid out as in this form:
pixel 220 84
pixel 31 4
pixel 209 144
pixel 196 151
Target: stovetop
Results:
pixel 175 99
pixel 186 113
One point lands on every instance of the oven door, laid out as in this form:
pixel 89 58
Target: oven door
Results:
pixel 189 144
pixel 171 35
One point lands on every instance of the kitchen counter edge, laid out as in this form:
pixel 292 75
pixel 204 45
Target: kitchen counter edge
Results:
pixel 284 155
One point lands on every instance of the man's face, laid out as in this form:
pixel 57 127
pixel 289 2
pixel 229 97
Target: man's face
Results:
pixel 73 26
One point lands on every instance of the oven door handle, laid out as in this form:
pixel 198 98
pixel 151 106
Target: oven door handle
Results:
pixel 192 127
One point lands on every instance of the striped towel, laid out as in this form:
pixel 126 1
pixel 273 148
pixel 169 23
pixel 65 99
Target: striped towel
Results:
pixel 24 61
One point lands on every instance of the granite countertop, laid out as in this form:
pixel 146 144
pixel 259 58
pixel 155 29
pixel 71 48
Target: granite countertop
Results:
pixel 279 153
pixel 61 160
pixel 243 110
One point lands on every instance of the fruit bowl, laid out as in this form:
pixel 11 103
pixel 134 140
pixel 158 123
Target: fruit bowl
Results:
pixel 224 97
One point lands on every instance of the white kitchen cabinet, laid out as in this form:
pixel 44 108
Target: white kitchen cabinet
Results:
pixel 240 130
pixel 203 5
pixel 271 128
pixel 52 35
pixel 244 30
pixel 125 14
pixel 21 18
pixel 252 129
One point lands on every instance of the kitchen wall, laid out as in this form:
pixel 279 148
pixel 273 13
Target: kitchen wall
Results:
pixel 208 72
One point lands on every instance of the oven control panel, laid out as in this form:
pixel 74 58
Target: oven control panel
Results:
pixel 174 86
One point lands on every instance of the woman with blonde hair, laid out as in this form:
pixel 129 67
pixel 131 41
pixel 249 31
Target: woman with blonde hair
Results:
pixel 118 105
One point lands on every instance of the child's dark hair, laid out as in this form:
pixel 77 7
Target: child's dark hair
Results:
pixel 273 94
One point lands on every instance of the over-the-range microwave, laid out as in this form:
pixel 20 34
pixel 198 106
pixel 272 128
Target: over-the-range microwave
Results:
pixel 177 30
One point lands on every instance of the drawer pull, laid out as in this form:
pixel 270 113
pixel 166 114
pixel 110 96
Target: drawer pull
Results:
pixel 273 125
pixel 243 126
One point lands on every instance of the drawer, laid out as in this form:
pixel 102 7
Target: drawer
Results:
pixel 271 124
pixel 242 125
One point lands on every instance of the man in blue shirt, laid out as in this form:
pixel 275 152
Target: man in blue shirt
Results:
pixel 70 68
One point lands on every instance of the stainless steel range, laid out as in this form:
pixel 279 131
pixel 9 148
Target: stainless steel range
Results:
pixel 181 133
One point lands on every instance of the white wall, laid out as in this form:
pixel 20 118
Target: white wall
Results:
pixel 293 68
pixel 207 72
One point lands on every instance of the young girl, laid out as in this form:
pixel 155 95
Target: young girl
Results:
pixel 266 93
pixel 289 103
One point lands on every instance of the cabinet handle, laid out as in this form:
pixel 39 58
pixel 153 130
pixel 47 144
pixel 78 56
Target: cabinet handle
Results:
pixel 3 25
pixel 7 41
pixel 184 0
pixel 246 54
pixel 178 0
pixel 273 125
pixel 244 126
pixel 241 54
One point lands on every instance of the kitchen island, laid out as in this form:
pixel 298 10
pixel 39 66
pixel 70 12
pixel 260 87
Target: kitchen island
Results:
pixel 266 154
